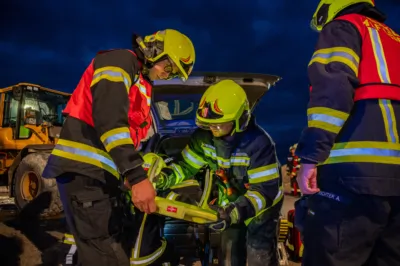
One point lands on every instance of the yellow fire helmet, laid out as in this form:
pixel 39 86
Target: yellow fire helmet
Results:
pixel 327 10
pixel 224 102
pixel 173 45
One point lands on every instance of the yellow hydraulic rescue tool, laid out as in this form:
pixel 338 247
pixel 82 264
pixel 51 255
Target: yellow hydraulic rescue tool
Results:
pixel 201 214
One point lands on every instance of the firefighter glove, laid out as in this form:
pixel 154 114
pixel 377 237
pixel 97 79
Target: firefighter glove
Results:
pixel 227 216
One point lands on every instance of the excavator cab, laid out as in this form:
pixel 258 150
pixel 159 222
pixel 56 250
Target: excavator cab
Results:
pixel 30 123
pixel 35 106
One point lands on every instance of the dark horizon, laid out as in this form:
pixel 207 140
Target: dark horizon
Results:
pixel 51 43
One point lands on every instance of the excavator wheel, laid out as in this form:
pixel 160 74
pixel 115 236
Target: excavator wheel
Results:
pixel 29 184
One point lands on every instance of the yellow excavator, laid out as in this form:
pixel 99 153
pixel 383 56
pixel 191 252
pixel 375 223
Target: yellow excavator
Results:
pixel 30 123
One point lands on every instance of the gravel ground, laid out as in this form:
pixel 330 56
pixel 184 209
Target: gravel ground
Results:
pixel 23 237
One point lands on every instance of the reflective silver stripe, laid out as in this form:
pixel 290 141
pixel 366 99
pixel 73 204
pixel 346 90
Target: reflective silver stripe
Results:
pixel 69 259
pixel 244 161
pixel 364 151
pixel 327 119
pixel 178 171
pixel 115 137
pixel 256 198
pixel 223 163
pixel 143 90
pixel 240 154
pixel 211 153
pixel 113 74
pixel 150 258
pixel 89 154
pixel 263 173
pixel 332 54
pixel 171 195
pixel 192 158
pixel 209 146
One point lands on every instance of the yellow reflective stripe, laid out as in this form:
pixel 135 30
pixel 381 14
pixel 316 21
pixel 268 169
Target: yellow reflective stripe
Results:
pixel 192 158
pixel 326 118
pixel 276 200
pixel 210 152
pixel 69 239
pixel 179 174
pixel 240 161
pixel 208 185
pixel 116 137
pixel 364 151
pixel 172 195
pixel 85 154
pixel 301 250
pixel 389 119
pixel 337 54
pixel 149 259
pixel 263 174
pixel 186 183
pixel 256 199
pixel 138 242
pixel 114 74
pixel 379 54
pixel 143 91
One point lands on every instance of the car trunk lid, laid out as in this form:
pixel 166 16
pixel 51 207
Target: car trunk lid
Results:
pixel 175 102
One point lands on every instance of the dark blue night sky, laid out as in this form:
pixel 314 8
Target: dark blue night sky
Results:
pixel 51 42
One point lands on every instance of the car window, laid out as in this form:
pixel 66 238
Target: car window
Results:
pixel 177 109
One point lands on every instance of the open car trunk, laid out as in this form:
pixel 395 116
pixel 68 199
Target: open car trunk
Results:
pixel 174 112
pixel 175 102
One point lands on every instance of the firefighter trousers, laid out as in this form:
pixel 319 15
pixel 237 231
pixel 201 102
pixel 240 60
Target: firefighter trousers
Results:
pixel 94 215
pixel 346 229
pixel 256 244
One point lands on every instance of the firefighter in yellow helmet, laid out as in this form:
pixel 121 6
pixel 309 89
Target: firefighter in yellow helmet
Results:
pixel 95 150
pixel 243 160
pixel 350 149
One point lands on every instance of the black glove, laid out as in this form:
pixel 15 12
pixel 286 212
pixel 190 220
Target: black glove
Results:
pixel 227 216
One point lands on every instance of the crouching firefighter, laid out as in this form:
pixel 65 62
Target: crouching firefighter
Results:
pixel 95 151
pixel 350 149
pixel 247 175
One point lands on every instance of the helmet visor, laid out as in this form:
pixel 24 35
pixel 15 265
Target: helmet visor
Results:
pixel 175 71
pixel 218 129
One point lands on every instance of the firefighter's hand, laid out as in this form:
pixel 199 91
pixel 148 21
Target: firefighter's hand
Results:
pixel 143 196
pixel 227 216
pixel 307 179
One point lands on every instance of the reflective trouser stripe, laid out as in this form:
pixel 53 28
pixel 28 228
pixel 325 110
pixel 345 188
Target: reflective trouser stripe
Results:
pixel 145 260
pixel 69 259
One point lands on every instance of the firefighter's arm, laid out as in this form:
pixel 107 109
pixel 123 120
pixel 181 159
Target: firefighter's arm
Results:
pixel 192 159
pixel 114 73
pixel 332 71
pixel 264 180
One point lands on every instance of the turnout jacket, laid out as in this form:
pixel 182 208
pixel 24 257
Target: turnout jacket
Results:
pixel 354 107
pixel 98 138
pixel 249 161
